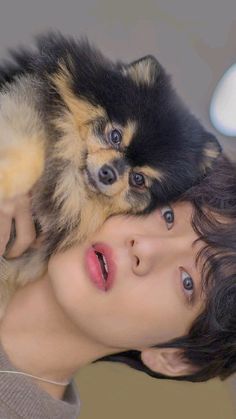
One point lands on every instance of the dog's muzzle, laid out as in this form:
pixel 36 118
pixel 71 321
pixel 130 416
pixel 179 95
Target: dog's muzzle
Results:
pixel 107 175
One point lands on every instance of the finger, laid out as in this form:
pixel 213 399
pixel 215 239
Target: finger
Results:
pixel 8 206
pixel 38 242
pixel 5 228
pixel 25 229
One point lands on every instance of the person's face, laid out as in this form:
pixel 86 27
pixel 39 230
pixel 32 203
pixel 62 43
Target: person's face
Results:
pixel 156 291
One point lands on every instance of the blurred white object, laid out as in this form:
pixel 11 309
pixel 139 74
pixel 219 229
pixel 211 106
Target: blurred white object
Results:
pixel 223 104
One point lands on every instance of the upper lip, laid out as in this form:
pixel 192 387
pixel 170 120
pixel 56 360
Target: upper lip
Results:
pixel 108 255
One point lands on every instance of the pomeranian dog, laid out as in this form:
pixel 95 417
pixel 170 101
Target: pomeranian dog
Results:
pixel 90 138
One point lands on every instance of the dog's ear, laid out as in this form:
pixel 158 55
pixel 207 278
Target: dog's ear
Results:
pixel 211 151
pixel 143 71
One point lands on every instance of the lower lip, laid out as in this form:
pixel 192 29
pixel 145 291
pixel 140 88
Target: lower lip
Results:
pixel 94 270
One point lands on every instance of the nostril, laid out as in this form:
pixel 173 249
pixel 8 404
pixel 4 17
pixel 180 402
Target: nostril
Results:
pixel 137 261
pixel 107 175
pixel 132 243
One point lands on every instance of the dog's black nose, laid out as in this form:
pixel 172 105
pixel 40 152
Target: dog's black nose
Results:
pixel 107 175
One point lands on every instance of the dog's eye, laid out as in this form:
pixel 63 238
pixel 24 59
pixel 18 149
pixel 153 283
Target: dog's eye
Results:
pixel 115 137
pixel 137 179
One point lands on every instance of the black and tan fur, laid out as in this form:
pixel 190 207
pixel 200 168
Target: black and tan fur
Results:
pixel 59 105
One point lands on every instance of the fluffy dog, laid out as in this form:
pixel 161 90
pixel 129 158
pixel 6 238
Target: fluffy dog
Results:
pixel 90 138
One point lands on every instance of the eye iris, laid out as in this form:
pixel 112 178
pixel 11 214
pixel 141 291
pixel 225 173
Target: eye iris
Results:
pixel 188 284
pixel 169 216
pixel 115 136
pixel 138 179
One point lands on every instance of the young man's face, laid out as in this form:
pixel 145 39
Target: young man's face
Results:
pixel 156 290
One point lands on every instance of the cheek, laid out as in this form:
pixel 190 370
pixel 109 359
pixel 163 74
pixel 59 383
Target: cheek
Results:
pixel 155 313
pixel 66 276
pixel 119 226
pixel 112 231
pixel 142 318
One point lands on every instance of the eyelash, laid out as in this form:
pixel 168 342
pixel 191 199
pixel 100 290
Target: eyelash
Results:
pixel 183 275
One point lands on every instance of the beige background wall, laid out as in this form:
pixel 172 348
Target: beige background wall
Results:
pixel 111 391
pixel 196 41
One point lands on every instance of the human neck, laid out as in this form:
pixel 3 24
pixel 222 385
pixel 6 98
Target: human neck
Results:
pixel 39 339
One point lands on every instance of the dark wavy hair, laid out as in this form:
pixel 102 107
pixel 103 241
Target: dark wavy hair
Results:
pixel 210 344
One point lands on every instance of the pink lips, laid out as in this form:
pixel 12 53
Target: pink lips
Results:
pixel 94 268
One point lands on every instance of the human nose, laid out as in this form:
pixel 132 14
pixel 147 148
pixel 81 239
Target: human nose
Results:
pixel 149 252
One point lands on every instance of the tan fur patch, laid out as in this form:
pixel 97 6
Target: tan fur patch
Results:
pixel 20 169
pixel 82 110
pixel 69 195
pixel 142 72
pixel 138 203
pixel 22 139
pixel 91 220
pixel 101 156
pixel 71 146
pixel 211 153
pixel 128 133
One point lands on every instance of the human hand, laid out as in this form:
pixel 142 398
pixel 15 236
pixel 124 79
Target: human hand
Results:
pixel 19 209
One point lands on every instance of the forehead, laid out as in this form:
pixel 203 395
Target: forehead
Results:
pixel 183 223
pixel 184 208
pixel 183 214
pixel 183 228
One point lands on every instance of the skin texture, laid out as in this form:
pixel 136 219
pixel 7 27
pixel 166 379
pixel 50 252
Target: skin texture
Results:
pixel 79 323
pixel 19 209
pixel 147 303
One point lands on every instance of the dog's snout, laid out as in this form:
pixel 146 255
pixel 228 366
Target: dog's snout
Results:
pixel 107 175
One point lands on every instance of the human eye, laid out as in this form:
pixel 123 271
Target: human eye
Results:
pixel 187 285
pixel 168 215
